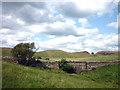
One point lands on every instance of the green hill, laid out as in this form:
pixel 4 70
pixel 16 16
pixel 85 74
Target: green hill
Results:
pixel 62 54
pixel 80 54
pixel 107 53
pixel 56 55
pixel 18 76
pixel 6 51
pixel 53 54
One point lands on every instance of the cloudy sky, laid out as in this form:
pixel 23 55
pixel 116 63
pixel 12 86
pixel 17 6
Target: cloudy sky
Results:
pixel 79 25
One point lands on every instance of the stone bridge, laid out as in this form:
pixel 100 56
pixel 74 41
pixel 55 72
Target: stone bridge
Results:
pixel 77 65
pixel 81 65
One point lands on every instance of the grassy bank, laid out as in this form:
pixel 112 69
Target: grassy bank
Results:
pixel 108 73
pixel 18 76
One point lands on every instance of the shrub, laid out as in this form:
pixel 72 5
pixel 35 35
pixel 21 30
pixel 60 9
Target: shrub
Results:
pixel 66 67
pixel 24 52
pixel 47 58
pixel 39 58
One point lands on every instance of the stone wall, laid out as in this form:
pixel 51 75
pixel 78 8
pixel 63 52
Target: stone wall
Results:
pixel 51 64
pixel 81 66
pixel 91 65
pixel 77 65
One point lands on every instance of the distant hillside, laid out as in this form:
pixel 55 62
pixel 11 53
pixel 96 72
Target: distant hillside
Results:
pixel 62 54
pixel 80 54
pixel 105 53
pixel 6 51
pixel 53 54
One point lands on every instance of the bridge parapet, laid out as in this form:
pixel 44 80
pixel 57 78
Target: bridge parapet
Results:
pixel 77 65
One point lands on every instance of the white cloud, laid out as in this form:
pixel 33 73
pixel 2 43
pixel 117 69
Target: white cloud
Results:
pixel 20 21
pixel 85 8
pixel 84 22
pixel 4 31
pixel 113 24
pixel 83 31
pixel 55 29
pixel 42 12
pixel 51 36
pixel 10 39
pixel 37 28
pixel 65 28
pixel 8 17
pixel 50 15
pixel 90 43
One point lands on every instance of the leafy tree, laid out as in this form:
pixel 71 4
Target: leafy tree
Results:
pixel 65 67
pixel 24 52
pixel 62 63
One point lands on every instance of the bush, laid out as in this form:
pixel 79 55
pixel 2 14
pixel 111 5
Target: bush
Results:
pixel 24 52
pixel 66 67
pixel 47 58
pixel 39 58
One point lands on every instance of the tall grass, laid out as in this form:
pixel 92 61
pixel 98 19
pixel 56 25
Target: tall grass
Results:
pixel 18 76
pixel 108 74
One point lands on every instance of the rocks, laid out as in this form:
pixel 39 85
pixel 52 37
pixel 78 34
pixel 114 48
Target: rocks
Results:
pixel 9 58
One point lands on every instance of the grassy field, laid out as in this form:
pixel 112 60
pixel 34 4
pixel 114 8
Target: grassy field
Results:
pixel 92 58
pixel 61 54
pixel 107 73
pixel 18 76
pixel 51 54
pixel 57 55
pixel 6 51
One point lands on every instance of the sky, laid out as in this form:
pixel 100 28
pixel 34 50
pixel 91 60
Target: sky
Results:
pixel 72 26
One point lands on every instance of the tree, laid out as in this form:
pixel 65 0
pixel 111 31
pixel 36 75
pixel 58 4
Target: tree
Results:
pixel 24 52
pixel 47 58
pixel 65 67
